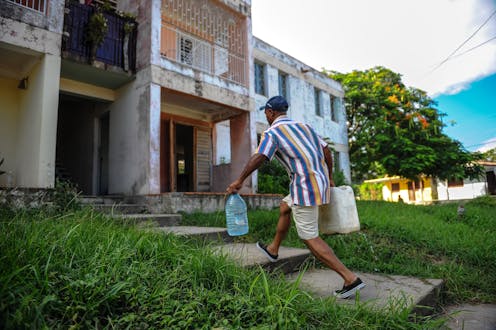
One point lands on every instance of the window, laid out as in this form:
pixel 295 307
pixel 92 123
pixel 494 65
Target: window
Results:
pixel 453 182
pixel 186 50
pixel 259 78
pixel 395 187
pixel 411 184
pixel 334 109
pixel 316 93
pixel 283 81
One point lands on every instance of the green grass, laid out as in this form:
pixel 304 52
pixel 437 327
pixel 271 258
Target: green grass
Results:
pixel 421 241
pixel 82 270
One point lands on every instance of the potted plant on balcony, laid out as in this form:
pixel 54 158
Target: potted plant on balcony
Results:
pixel 96 31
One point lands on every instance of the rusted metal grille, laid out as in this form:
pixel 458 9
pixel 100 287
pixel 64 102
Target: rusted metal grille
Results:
pixel 38 5
pixel 205 35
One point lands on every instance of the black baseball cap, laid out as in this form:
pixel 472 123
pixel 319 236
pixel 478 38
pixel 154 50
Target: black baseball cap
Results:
pixel 277 103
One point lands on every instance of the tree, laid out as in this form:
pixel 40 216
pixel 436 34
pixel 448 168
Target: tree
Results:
pixel 489 155
pixel 397 130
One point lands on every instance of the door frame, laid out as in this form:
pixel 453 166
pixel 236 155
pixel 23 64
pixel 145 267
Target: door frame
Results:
pixel 169 157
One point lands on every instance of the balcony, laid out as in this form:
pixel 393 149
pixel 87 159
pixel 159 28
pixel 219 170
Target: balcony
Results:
pixel 206 36
pixel 117 51
pixel 36 5
pixel 202 55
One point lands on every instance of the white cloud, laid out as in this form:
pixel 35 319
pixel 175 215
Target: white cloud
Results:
pixel 409 37
pixel 488 145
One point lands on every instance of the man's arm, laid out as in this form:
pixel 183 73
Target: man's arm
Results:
pixel 254 163
pixel 328 160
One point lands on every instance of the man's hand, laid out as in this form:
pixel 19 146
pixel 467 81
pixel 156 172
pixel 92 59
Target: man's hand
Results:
pixel 234 187
pixel 254 163
pixel 331 183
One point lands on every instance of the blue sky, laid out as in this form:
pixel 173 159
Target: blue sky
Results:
pixel 474 113
pixel 444 47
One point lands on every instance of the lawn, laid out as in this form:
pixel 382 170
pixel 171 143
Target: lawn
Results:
pixel 80 269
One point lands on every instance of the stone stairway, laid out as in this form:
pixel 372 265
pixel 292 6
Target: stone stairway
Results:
pixel 382 291
pixel 116 206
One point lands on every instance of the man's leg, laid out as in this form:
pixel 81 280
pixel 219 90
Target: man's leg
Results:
pixel 306 221
pixel 282 228
pixel 326 255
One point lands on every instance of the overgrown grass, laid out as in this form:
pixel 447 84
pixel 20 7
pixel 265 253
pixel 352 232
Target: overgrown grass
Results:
pixel 421 241
pixel 83 270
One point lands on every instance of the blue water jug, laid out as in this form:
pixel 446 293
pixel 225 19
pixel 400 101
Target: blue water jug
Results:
pixel 236 216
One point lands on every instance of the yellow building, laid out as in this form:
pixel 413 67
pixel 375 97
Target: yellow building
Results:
pixel 397 189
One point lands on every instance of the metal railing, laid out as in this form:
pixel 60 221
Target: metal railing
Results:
pixel 118 48
pixel 37 5
pixel 202 55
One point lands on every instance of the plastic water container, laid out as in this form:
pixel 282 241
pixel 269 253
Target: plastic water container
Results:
pixel 340 215
pixel 236 216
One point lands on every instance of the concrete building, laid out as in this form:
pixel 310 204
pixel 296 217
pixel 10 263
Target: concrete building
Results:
pixel 166 103
pixel 314 98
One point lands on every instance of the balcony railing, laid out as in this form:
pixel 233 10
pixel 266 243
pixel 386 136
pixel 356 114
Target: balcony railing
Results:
pixel 202 55
pixel 119 45
pixel 37 5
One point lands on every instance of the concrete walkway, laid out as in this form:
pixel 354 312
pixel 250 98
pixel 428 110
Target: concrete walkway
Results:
pixel 381 291
pixel 471 317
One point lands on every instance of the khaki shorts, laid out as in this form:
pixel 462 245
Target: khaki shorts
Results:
pixel 306 219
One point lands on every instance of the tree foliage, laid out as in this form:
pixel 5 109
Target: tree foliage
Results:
pixel 397 130
pixel 489 155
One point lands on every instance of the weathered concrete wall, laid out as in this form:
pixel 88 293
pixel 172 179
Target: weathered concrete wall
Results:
pixel 198 202
pixel 181 78
pixel 148 16
pixel 240 148
pixel 17 198
pixel 134 147
pixel 9 119
pixel 52 21
pixel 222 142
pixel 38 125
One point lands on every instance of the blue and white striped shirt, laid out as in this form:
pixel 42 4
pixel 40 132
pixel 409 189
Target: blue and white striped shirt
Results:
pixel 299 149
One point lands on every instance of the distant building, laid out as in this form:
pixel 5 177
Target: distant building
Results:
pixel 427 190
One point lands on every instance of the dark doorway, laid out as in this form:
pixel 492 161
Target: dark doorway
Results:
pixel 491 183
pixel 184 158
pixel 103 155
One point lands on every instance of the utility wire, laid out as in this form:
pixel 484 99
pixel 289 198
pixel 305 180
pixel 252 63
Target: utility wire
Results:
pixel 473 48
pixel 466 40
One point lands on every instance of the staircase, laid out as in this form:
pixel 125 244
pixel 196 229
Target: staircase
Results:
pixel 381 291
pixel 116 206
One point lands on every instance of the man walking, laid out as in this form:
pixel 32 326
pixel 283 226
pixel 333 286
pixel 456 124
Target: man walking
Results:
pixel 309 163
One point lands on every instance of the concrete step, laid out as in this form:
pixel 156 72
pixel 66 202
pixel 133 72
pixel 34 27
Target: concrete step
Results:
pixel 381 291
pixel 162 220
pixel 97 200
pixel 207 233
pixel 248 255
pixel 114 209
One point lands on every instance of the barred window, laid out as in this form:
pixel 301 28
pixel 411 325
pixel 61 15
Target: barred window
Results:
pixel 318 110
pixel 259 78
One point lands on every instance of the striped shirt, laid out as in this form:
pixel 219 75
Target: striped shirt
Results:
pixel 299 149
